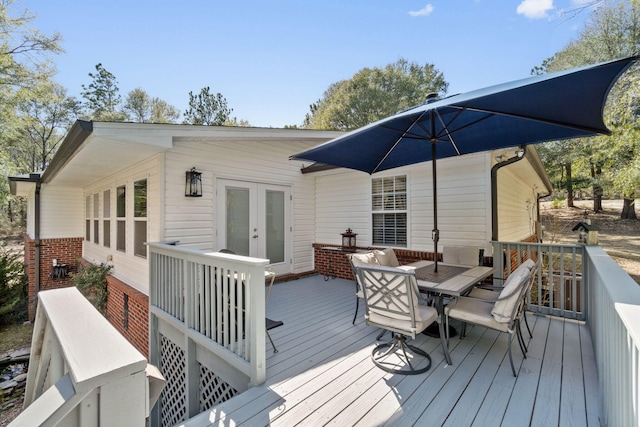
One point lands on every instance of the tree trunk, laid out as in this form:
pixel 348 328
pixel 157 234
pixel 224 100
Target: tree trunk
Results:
pixel 597 188
pixel 567 167
pixel 629 209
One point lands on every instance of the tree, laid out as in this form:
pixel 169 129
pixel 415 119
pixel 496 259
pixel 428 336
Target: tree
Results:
pixel 374 93
pixel 102 96
pixel 24 54
pixel 234 121
pixel 45 114
pixel 24 64
pixel 23 49
pixel 142 108
pixel 612 32
pixel 206 108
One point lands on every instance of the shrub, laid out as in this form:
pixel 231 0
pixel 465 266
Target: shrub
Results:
pixel 557 203
pixel 13 286
pixel 91 280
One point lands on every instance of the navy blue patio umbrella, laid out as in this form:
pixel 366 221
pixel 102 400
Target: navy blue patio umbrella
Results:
pixel 550 107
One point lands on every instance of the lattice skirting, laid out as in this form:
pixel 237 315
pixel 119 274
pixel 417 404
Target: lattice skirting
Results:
pixel 212 390
pixel 174 396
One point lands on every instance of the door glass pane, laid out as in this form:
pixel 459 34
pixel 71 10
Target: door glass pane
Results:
pixel 275 226
pixel 238 220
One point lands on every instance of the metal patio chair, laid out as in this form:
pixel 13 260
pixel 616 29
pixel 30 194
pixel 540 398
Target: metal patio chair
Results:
pixel 392 303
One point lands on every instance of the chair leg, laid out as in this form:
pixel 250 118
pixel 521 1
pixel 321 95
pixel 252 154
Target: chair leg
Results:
pixel 399 346
pixel 523 346
pixel 275 350
pixel 356 314
pixel 526 322
pixel 513 368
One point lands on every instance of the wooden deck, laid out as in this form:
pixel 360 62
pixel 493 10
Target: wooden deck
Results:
pixel 323 372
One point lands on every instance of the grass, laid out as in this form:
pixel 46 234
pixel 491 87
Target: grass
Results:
pixel 13 337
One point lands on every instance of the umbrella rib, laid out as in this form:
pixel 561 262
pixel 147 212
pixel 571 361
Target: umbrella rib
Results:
pixel 397 141
pixel 532 119
pixel 445 127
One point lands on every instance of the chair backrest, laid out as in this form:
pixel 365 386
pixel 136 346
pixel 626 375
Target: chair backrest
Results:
pixel 463 255
pixel 361 259
pixel 506 306
pixel 389 292
pixel 387 257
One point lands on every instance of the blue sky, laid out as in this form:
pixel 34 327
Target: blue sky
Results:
pixel 272 59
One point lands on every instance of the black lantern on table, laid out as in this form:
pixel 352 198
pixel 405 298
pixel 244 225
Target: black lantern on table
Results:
pixel 349 240
pixel 193 183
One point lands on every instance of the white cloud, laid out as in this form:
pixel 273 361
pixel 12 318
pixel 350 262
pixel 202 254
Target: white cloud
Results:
pixel 425 11
pixel 535 9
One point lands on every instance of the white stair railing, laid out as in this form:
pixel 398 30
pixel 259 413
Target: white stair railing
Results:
pixel 207 327
pixel 82 371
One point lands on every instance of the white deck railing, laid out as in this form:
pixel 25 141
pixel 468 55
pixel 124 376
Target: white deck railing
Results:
pixel 589 285
pixel 81 370
pixel 207 325
pixel 614 321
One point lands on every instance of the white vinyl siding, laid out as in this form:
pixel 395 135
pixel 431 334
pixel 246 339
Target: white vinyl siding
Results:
pixel 516 207
pixel 128 267
pixel 464 201
pixel 63 213
pixel 343 200
pixel 192 221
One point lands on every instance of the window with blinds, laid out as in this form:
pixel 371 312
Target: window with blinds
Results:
pixel 389 210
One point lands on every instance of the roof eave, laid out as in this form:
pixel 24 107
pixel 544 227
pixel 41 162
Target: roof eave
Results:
pixel 75 138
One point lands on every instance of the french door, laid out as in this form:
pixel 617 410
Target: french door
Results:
pixel 254 219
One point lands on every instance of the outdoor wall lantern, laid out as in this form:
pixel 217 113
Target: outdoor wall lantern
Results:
pixel 349 240
pixel 193 183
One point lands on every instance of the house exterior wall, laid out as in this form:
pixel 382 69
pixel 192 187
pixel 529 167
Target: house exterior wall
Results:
pixel 517 207
pixel 63 209
pixel 192 221
pixel 127 267
pixel 464 204
pixel 66 251
pixel 128 312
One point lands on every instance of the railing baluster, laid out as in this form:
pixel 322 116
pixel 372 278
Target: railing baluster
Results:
pixel 560 285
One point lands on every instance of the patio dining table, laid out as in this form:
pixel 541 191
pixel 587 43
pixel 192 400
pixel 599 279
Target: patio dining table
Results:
pixel 450 280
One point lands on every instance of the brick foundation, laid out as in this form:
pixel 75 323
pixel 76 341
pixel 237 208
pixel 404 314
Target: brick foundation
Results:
pixel 128 312
pixel 64 250
pixel 132 323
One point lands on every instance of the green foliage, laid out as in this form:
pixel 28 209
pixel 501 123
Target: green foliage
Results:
pixel 207 108
pixel 557 203
pixel 91 280
pixel 374 93
pixel 13 286
pixel 102 96
pixel 24 64
pixel 44 115
pixel 612 32
pixel 142 108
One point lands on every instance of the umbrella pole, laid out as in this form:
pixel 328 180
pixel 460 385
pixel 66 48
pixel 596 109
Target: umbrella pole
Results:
pixel 435 233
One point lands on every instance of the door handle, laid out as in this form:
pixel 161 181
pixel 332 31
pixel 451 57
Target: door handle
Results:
pixel 255 236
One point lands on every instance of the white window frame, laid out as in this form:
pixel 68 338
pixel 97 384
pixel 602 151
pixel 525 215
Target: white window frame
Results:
pixel 137 220
pixel 383 207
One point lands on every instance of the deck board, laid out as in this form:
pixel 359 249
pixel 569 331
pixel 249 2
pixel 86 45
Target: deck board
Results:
pixel 323 374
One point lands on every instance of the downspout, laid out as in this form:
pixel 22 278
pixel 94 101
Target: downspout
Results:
pixel 36 235
pixel 494 190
